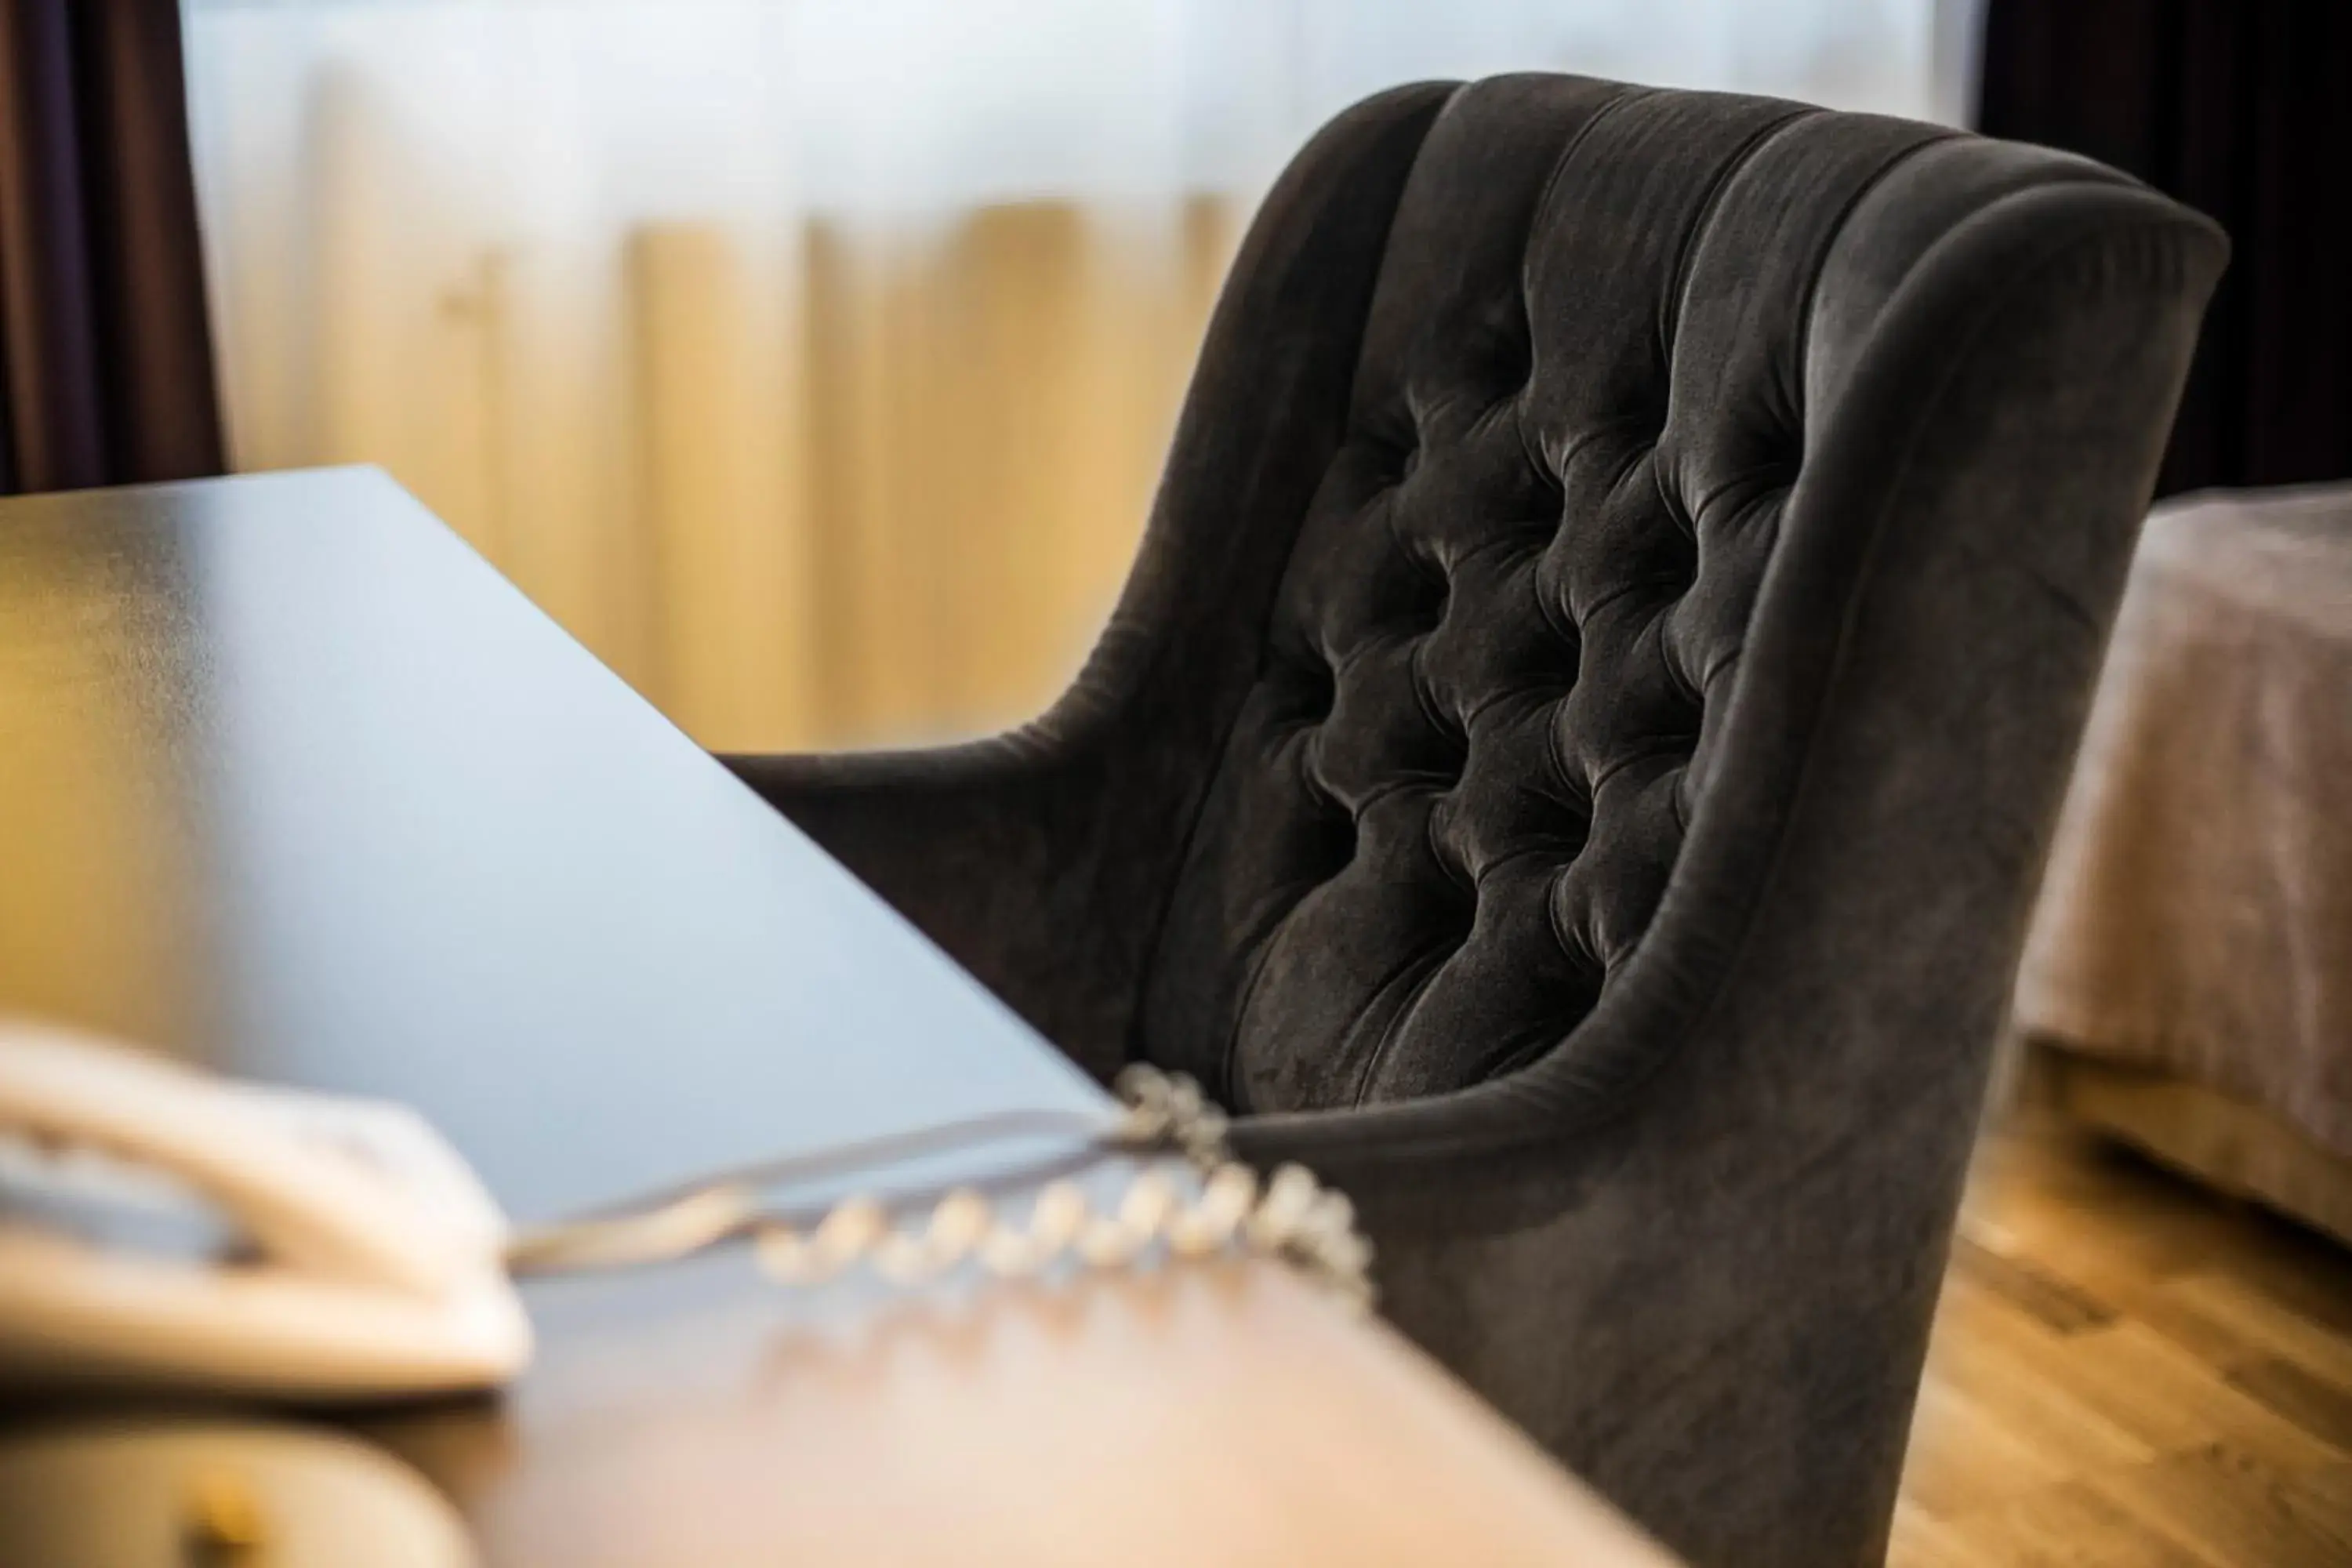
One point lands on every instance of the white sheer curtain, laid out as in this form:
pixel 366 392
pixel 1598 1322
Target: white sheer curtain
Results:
pixel 812 359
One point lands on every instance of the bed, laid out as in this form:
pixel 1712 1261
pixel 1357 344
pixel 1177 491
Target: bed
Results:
pixel 2187 982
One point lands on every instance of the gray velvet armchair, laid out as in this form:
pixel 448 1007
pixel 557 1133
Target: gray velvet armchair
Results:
pixel 1573 756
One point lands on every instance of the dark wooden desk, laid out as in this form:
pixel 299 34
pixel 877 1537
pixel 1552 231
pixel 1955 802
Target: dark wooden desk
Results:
pixel 291 782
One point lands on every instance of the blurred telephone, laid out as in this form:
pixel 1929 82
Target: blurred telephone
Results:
pixel 162 1228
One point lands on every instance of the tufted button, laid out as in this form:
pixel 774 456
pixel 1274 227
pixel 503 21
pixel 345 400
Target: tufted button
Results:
pixel 1447 854
pixel 1677 667
pixel 1441 719
pixel 1550 590
pixel 1568 929
pixel 1439 597
pixel 1313 690
pixel 1547 473
pixel 1337 826
pixel 1656 406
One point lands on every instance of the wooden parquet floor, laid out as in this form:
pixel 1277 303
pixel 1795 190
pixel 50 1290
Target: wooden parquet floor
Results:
pixel 2129 1371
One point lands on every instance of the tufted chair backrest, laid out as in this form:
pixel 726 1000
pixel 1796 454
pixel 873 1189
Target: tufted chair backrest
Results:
pixel 1608 327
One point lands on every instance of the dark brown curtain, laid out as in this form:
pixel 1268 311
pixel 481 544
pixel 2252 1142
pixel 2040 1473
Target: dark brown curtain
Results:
pixel 106 369
pixel 2241 109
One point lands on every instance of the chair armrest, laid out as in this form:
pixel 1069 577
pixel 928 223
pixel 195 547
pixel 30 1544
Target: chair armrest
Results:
pixel 940 833
pixel 1706 1290
pixel 1729 1355
pixel 999 851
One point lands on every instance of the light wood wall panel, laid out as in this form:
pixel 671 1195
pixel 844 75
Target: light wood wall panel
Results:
pixel 719 504
pixel 827 483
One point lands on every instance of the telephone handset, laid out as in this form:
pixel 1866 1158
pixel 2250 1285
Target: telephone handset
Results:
pixel 367 1258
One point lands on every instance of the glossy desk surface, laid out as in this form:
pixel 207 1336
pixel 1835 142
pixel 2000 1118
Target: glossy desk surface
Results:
pixel 293 783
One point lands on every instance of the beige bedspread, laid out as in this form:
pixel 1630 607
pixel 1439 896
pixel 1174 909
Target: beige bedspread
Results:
pixel 2197 915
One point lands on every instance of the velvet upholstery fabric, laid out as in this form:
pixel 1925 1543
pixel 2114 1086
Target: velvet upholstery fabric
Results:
pixel 1574 753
